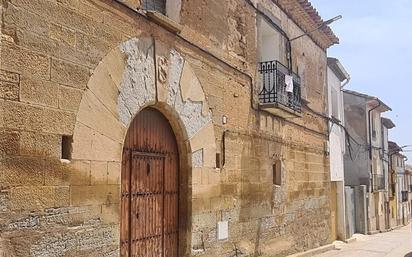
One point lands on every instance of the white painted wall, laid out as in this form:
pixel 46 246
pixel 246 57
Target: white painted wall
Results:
pixel 337 135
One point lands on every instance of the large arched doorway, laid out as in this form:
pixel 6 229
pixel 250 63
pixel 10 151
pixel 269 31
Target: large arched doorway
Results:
pixel 150 188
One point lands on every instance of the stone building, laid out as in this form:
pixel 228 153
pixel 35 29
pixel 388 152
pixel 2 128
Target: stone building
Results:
pixel 364 159
pixel 401 181
pixel 192 128
pixel 390 218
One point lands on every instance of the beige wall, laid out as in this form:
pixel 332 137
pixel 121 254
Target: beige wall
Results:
pixel 61 74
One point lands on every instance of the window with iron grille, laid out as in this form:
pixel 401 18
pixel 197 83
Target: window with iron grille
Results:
pixel 155 5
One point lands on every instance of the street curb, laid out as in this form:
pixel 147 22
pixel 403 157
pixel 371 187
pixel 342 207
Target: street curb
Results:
pixel 312 252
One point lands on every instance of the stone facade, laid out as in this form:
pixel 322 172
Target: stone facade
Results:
pixel 77 72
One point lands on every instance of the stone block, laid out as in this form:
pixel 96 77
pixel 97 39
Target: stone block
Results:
pixel 9 142
pixel 114 63
pixel 17 17
pixel 98 172
pixel 39 92
pixel 196 176
pixel 37 43
pixel 39 197
pixel 9 91
pixel 69 98
pixel 62 34
pixel 59 14
pixel 72 4
pixel 56 173
pixel 90 11
pixel 25 62
pixel 206 191
pixel 58 121
pixel 93 46
pixel 104 88
pixel 94 194
pixel 37 144
pixel 8 76
pixel 22 171
pixel 69 74
pixel 113 173
pixel 95 115
pixel 200 205
pixel 22 116
pixel 79 172
pixel 110 214
pixel 105 149
pixel 82 142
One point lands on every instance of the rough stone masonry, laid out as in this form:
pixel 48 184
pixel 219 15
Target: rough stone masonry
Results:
pixel 74 73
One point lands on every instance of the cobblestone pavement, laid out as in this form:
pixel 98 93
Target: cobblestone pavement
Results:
pixel 396 243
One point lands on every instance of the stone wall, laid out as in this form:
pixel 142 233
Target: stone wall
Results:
pixel 85 68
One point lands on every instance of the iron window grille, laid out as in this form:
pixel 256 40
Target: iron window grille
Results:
pixel 155 5
pixel 272 77
pixel 404 196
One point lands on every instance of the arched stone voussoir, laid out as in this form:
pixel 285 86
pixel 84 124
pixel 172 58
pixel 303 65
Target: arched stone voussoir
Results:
pixel 131 78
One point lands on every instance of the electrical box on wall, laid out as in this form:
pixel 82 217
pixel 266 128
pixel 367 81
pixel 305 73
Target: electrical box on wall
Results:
pixel 222 230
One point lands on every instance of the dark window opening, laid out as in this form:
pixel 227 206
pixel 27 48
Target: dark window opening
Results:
pixel 277 173
pixel 218 163
pixel 155 5
pixel 67 147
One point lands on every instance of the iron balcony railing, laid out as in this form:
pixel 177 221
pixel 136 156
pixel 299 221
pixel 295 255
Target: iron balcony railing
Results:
pixel 273 86
pixel 378 182
pixel 404 196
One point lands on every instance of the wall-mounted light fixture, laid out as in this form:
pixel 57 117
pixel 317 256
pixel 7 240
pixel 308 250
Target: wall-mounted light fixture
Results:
pixel 323 25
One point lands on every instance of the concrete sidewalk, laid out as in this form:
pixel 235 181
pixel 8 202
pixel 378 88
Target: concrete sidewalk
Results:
pixel 396 243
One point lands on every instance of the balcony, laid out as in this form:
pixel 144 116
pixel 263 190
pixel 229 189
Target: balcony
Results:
pixel 378 182
pixel 404 196
pixel 275 97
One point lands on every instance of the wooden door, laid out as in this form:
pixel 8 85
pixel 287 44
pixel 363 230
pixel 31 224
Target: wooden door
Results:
pixel 150 188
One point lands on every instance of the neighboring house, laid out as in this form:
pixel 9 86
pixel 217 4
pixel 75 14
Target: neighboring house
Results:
pixel 364 160
pixel 408 172
pixel 390 218
pixel 402 188
pixel 179 128
pixel 337 79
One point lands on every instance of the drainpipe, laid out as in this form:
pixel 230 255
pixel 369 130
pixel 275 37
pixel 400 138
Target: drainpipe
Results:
pixel 345 83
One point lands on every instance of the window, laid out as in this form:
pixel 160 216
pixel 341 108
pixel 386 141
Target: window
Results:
pixel 277 173
pixel 271 43
pixel 373 124
pixel 67 147
pixel 155 5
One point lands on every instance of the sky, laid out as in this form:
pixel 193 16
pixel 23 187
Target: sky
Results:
pixel 376 49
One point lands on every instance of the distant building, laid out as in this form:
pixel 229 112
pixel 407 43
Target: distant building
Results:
pixel 390 218
pixel 402 184
pixel 364 160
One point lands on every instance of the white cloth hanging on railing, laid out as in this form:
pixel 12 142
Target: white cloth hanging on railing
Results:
pixel 289 83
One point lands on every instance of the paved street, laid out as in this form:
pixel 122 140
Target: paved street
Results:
pixel 397 243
